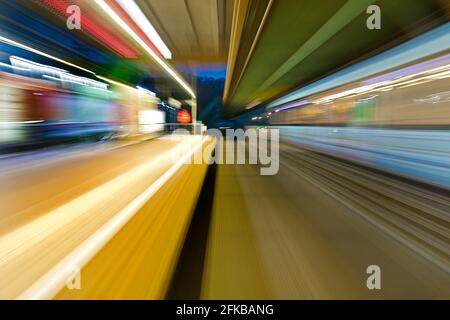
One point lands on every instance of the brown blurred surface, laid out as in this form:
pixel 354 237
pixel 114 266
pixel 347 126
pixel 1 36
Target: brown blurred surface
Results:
pixel 50 209
pixel 297 236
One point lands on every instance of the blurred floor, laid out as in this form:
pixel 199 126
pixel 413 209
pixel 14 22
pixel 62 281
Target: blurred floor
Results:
pixel 311 231
pixel 51 208
pixel 28 191
pixel 308 232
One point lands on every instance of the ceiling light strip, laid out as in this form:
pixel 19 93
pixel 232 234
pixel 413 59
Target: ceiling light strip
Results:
pixel 102 4
pixel 128 20
pixel 133 10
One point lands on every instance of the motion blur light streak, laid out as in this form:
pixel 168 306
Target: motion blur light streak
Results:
pixel 117 83
pixel 286 151
pixel 31 65
pixel 102 4
pixel 136 14
pixel 94 27
pixel 28 48
pixel 133 25
pixel 433 42
pixel 146 91
pixel 398 100
pixel 53 281
pixel 13 67
pixel 53 73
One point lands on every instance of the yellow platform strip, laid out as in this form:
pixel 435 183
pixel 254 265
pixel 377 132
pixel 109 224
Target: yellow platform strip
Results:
pixel 139 261
pixel 233 266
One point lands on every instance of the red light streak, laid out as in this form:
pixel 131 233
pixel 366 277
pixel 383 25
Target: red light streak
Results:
pixel 92 23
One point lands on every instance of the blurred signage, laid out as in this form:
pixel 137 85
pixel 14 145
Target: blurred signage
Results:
pixel 183 116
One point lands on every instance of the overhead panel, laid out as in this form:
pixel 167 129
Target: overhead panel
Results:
pixel 304 40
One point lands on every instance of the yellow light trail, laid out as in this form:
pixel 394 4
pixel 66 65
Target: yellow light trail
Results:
pixel 38 246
